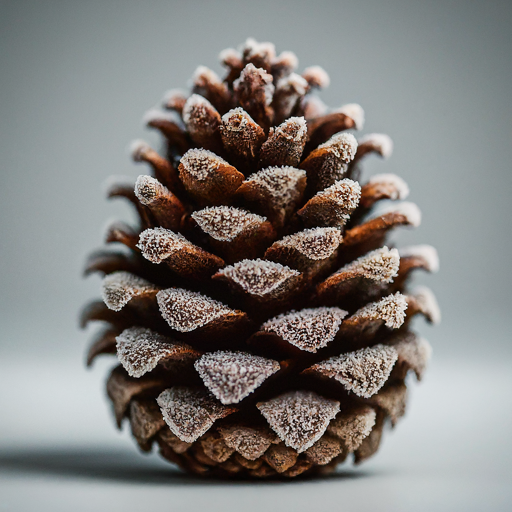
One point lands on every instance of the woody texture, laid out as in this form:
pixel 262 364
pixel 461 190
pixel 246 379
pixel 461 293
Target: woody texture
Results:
pixel 260 318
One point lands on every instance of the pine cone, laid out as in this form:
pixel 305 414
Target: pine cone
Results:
pixel 261 323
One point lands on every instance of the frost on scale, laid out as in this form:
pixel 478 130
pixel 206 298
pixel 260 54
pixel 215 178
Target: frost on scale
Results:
pixel 410 212
pixel 315 243
pixel 383 186
pixel 261 54
pixel 158 244
pixel 205 78
pixel 309 329
pixel 285 143
pixel 377 142
pixel 285 63
pixel 392 400
pixel 197 111
pixel 137 149
pixel 425 252
pixel 390 310
pixel 413 351
pixel 355 112
pixel 153 117
pixel 225 223
pixel 231 58
pixel 378 265
pixel 294 129
pixel 140 350
pixel 289 90
pixel 332 206
pixel 293 84
pixel 282 185
pixel 147 189
pixel 254 86
pixel 399 185
pixel 231 376
pixel 249 442
pixel 353 426
pixel 328 162
pixel 324 450
pixel 299 418
pixel 312 107
pixel 186 311
pixel 255 90
pixel 425 302
pixel 201 164
pixel 316 76
pixel 120 287
pixel 258 277
pixel 344 193
pixel 175 99
pixel 343 146
pixel 190 412
pixel 364 371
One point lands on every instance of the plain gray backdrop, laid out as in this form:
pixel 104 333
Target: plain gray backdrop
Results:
pixel 77 76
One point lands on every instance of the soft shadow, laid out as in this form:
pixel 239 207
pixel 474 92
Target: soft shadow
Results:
pixel 124 467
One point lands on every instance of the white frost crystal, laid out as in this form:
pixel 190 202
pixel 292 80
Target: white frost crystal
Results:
pixel 355 112
pixel 379 265
pixel 364 371
pixel 231 376
pixel 140 350
pixel 309 329
pixel 186 311
pixel 201 163
pixel 401 189
pixel 258 277
pixel 342 145
pixel 225 223
pixel 315 243
pixel 380 142
pixel 299 418
pixel 190 412
pixel 390 309
pixel 425 252
pixel 353 426
pixel 159 244
pixel 409 210
pixel 279 182
pixel 344 193
pixel 120 287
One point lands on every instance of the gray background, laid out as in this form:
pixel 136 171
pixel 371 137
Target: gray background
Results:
pixel 75 79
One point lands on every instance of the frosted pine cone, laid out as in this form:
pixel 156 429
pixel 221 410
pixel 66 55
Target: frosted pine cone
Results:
pixel 261 323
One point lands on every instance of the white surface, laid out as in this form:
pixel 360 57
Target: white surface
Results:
pixel 59 451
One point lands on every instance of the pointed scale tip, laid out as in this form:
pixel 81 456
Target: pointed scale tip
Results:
pixel 232 376
pixel 120 287
pixel 378 142
pixel 355 112
pixel 426 252
pixel 147 189
pixel 316 76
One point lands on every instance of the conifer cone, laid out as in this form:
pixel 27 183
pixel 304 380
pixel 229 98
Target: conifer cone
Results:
pixel 261 322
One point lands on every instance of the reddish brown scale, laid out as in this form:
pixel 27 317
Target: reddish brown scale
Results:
pixel 163 170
